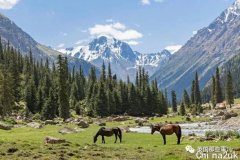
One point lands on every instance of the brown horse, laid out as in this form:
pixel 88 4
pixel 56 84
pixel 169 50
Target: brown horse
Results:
pixel 167 129
pixel 108 132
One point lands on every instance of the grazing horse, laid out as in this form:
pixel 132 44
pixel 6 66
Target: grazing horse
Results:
pixel 108 132
pixel 167 129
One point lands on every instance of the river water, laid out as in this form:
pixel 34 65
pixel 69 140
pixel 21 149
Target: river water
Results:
pixel 198 129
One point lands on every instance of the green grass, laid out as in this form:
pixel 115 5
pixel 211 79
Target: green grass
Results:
pixel 237 101
pixel 30 145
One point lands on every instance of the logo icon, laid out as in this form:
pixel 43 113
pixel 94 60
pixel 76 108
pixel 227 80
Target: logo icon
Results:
pixel 190 149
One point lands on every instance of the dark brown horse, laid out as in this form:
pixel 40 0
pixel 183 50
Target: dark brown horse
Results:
pixel 167 129
pixel 108 132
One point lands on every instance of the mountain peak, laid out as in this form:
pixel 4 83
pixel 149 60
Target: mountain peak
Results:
pixel 232 12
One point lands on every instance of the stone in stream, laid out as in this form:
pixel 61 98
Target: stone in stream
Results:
pixel 229 115
pixel 53 140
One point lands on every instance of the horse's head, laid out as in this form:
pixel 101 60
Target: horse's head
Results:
pixel 95 139
pixel 154 128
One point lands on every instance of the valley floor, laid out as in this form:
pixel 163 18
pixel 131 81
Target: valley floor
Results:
pixel 28 143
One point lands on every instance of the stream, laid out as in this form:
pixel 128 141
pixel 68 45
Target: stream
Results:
pixel 198 129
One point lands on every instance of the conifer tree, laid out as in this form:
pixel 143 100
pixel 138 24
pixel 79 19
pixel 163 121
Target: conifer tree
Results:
pixel 62 90
pixel 182 109
pixel 49 108
pixel 193 92
pixel 101 101
pixel 218 89
pixel 174 102
pixel 186 99
pixel 30 96
pixel 6 92
pixel 229 90
pixel 197 94
pixel 213 100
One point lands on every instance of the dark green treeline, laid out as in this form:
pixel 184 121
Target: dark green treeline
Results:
pixel 53 90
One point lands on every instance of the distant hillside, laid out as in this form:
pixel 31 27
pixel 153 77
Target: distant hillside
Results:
pixel 19 39
pixel 211 47
pixel 233 65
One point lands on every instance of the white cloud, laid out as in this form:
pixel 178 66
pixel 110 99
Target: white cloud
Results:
pixel 61 45
pixel 148 2
pixel 8 4
pixel 81 42
pixel 194 32
pixel 116 30
pixel 145 2
pixel 132 43
pixel 173 48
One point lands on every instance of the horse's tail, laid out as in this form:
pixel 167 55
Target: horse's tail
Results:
pixel 119 134
pixel 179 131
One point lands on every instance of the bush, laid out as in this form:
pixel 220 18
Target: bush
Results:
pixel 222 135
pixel 10 121
pixel 36 116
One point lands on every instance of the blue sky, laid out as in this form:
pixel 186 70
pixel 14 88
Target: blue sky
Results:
pixel 148 25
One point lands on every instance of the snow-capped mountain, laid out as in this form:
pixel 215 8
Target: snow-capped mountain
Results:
pixel 123 60
pixel 211 47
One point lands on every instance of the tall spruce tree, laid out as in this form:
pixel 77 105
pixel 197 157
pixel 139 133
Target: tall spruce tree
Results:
pixel 229 90
pixel 62 90
pixel 31 96
pixel 174 101
pixel 197 94
pixel 213 92
pixel 193 92
pixel 186 99
pixel 101 101
pixel 218 88
pixel 182 109
pixel 6 92
pixel 48 112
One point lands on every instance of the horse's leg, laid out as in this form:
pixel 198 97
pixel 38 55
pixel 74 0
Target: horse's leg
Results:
pixel 164 138
pixel 115 138
pixel 103 140
pixel 178 138
pixel 119 138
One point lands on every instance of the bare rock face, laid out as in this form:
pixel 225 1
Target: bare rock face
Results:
pixel 53 140
pixel 35 125
pixel 5 126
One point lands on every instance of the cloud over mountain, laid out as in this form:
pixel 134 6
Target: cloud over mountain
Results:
pixel 116 30
pixel 8 4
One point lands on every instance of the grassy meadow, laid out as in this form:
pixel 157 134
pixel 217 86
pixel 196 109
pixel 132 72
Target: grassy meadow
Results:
pixel 28 143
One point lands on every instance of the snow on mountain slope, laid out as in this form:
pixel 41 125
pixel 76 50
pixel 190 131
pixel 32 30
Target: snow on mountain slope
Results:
pixel 211 47
pixel 123 60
